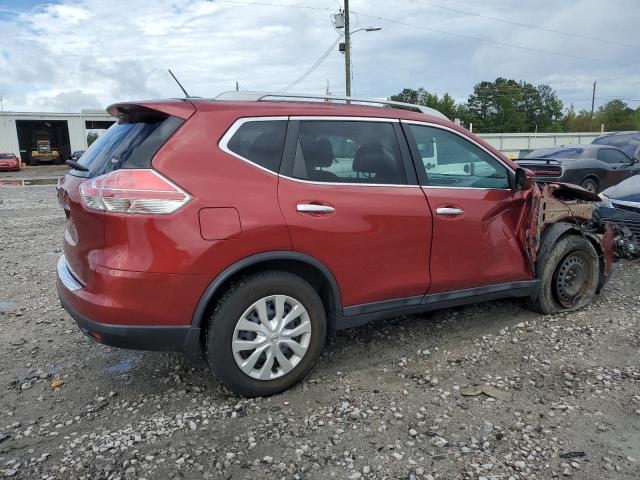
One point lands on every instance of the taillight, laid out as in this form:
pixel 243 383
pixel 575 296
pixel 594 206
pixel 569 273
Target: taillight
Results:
pixel 141 191
pixel 547 170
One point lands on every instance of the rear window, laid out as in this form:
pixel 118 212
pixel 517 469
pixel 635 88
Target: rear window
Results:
pixel 261 142
pixel 130 143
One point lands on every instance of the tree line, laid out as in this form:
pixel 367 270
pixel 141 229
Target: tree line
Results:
pixel 507 105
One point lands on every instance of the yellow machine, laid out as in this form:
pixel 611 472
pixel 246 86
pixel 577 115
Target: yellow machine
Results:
pixel 43 151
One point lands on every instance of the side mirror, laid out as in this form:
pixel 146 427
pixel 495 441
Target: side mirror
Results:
pixel 524 179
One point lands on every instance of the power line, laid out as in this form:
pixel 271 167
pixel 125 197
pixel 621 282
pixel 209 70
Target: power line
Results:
pixel 314 66
pixel 486 40
pixel 422 27
pixel 510 22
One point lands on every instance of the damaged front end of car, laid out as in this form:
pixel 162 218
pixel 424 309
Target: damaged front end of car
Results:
pixel 559 208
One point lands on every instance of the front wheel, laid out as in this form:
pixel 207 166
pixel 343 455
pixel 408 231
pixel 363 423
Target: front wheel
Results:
pixel 266 333
pixel 569 276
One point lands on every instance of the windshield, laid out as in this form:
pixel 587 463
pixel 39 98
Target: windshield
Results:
pixel 6 156
pixel 129 145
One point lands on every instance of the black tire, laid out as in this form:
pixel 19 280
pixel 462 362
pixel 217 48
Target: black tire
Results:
pixel 569 276
pixel 590 184
pixel 57 161
pixel 34 162
pixel 230 308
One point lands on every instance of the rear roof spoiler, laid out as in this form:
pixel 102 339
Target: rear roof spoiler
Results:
pixel 174 107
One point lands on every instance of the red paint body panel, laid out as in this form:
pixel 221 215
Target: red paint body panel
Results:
pixel 480 247
pixel 219 223
pixel 376 242
pixel 119 297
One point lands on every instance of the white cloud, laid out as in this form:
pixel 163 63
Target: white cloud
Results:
pixel 88 53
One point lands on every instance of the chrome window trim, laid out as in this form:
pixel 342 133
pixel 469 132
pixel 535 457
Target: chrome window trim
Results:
pixel 443 127
pixel 224 140
pixel 467 188
pixel 345 184
pixel 335 118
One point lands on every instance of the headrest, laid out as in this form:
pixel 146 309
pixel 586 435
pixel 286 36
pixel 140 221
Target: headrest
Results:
pixel 371 158
pixel 318 153
pixel 266 149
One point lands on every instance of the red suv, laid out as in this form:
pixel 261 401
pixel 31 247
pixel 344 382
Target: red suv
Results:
pixel 244 230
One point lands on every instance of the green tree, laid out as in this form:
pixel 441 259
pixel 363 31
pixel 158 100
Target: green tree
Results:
pixel 507 105
pixel 577 122
pixel 92 137
pixel 616 115
pixel 445 104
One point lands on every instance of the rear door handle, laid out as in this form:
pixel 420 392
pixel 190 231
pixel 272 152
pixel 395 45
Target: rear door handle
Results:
pixel 449 211
pixel 314 208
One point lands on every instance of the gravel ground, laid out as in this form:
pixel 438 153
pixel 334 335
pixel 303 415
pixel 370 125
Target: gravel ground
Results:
pixel 385 401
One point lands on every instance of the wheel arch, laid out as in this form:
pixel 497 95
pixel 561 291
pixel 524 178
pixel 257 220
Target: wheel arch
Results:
pixel 305 266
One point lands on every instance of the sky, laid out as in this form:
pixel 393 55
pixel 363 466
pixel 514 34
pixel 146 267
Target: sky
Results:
pixel 86 54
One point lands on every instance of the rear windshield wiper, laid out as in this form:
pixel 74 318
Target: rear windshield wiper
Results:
pixel 76 166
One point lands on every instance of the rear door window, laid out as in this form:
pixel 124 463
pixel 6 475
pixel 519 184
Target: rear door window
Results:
pixel 337 151
pixel 261 142
pixel 130 143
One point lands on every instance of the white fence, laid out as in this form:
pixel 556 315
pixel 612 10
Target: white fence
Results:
pixel 519 144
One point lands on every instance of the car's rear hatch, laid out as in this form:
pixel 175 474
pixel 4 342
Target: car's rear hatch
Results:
pixel 140 131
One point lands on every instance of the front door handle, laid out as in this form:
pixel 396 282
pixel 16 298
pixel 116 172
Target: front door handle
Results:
pixel 449 211
pixel 314 208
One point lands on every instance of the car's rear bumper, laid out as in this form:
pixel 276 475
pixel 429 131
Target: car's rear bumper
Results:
pixel 89 309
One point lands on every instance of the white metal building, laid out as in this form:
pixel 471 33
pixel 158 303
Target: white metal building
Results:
pixel 68 130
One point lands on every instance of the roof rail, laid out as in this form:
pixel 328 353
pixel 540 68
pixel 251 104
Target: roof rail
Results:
pixel 245 96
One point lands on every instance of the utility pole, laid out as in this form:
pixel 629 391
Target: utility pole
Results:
pixel 593 102
pixel 237 86
pixel 347 50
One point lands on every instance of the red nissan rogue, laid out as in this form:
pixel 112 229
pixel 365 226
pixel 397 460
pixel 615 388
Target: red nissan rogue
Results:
pixel 243 229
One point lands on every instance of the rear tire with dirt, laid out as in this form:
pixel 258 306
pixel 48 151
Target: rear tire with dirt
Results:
pixel 569 276
pixel 266 333
pixel 590 184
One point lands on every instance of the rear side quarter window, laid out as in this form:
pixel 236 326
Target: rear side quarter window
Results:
pixel 258 141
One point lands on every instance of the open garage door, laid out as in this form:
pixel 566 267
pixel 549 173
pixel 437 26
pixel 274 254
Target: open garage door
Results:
pixel 43 141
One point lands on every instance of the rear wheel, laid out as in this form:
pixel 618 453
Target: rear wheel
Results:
pixel 569 276
pixel 590 184
pixel 266 333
